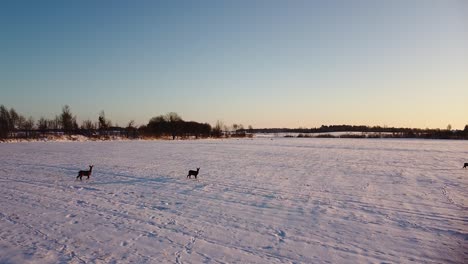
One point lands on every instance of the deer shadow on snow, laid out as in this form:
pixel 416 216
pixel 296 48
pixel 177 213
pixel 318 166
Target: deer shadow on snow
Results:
pixel 127 179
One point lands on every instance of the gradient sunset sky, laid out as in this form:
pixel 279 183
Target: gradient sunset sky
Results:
pixel 261 63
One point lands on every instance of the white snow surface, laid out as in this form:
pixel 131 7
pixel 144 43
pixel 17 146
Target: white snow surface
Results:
pixel 255 201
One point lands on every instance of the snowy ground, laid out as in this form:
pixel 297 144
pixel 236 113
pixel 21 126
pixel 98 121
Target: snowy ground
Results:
pixel 256 201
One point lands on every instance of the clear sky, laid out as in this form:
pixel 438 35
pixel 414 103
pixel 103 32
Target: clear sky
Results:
pixel 261 63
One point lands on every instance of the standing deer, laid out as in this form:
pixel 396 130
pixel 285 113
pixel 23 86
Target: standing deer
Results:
pixel 193 172
pixel 465 165
pixel 82 173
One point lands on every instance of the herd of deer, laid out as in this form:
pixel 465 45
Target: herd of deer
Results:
pixel 191 173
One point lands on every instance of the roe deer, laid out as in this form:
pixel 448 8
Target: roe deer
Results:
pixel 82 173
pixel 465 165
pixel 194 173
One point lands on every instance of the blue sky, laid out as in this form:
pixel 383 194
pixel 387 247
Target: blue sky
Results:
pixel 259 63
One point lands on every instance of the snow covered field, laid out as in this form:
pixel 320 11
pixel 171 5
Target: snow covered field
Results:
pixel 256 201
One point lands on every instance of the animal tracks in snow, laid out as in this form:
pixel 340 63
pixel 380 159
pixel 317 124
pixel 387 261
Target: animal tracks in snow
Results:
pixel 450 198
pixel 280 235
pixel 187 248
pixel 287 201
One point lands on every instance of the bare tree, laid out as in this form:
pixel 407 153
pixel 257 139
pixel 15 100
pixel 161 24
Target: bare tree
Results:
pixel 172 117
pixel 217 130
pixel 42 124
pixel 174 121
pixel 131 129
pixel 56 123
pixel 87 125
pixel 29 124
pixel 131 124
pixel 20 121
pixel 103 122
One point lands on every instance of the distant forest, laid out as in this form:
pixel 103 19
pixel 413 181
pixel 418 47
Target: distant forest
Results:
pixel 370 132
pixel 172 126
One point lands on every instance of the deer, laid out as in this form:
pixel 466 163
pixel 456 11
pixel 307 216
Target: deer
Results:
pixel 465 165
pixel 193 172
pixel 82 173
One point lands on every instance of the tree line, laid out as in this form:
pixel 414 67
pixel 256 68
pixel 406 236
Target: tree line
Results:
pixel 170 125
pixel 377 131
